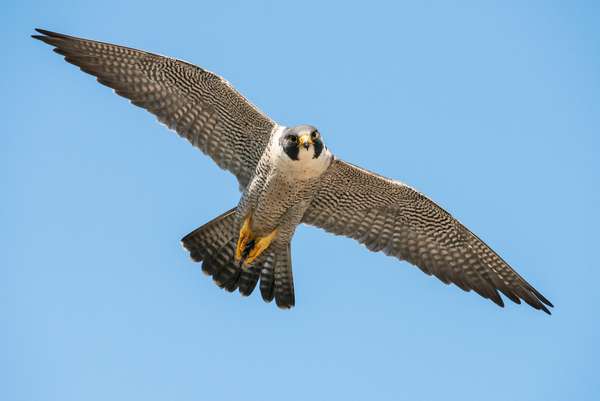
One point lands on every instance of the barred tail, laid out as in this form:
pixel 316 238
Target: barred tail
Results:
pixel 276 280
pixel 214 245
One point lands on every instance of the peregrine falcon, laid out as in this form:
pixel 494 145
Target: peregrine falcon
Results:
pixel 288 176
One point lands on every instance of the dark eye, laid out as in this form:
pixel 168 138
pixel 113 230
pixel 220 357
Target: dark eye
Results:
pixel 314 135
pixel 293 138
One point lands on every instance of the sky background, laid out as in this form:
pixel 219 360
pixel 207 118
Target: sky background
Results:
pixel 490 108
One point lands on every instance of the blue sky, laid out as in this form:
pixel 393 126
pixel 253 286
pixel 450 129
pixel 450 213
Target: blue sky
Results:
pixel 490 108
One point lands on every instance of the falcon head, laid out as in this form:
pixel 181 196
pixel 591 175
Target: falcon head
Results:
pixel 302 142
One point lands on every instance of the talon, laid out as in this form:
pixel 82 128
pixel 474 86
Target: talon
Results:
pixel 244 239
pixel 249 245
pixel 259 247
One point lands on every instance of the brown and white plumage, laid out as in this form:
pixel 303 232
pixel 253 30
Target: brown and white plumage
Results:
pixel 199 105
pixel 391 217
pixel 288 177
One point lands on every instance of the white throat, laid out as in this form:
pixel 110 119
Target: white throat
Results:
pixel 305 167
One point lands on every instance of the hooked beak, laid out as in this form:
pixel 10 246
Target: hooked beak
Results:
pixel 306 141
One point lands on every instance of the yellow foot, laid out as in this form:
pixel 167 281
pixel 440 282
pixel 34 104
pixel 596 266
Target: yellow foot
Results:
pixel 245 236
pixel 260 245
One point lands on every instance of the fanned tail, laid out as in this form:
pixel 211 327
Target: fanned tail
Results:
pixel 214 245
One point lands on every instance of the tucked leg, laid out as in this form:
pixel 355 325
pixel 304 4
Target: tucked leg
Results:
pixel 260 245
pixel 245 237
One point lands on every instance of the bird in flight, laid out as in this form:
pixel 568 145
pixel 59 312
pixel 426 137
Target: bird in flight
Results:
pixel 287 177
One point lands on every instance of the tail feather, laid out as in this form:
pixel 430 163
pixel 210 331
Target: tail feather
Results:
pixel 248 280
pixel 284 281
pixel 211 237
pixel 214 245
pixel 233 282
pixel 267 278
pixel 225 273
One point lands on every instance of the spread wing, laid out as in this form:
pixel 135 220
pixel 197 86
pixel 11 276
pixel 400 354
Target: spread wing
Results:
pixel 199 105
pixel 388 216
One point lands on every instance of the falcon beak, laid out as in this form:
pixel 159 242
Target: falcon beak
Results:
pixel 305 140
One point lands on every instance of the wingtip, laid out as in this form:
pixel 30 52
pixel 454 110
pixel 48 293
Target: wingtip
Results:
pixel 46 32
pixel 545 300
pixel 49 36
pixel 498 301
pixel 45 37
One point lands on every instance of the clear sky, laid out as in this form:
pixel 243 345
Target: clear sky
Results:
pixel 493 110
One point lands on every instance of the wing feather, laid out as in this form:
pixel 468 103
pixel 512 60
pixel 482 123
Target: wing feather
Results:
pixel 391 217
pixel 199 105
